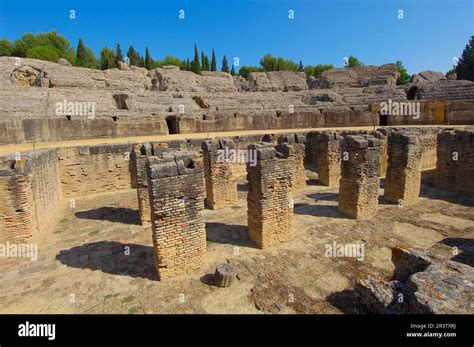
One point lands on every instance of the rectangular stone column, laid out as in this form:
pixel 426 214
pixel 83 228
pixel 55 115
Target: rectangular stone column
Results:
pixel 359 185
pixel 328 157
pixel 296 145
pixel 221 184
pixel 455 164
pixel 403 177
pixel 176 192
pixel 270 198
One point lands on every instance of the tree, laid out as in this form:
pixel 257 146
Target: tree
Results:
pixel 196 66
pixel 213 61
pixel 208 66
pixel 80 53
pixel 270 63
pixel 203 61
pixel 225 65
pixel 232 70
pixel 147 59
pixel 6 48
pixel 320 68
pixel 133 56
pixel 352 61
pixel 44 53
pixel 301 68
pixel 107 59
pixel 465 66
pixel 245 71
pixel 404 77
pixel 118 54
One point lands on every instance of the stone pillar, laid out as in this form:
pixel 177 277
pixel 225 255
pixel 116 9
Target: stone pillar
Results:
pixel 138 158
pixel 403 178
pixel 455 161
pixel 221 184
pixel 359 185
pixel 176 191
pixel 328 146
pixel 296 145
pixel 270 198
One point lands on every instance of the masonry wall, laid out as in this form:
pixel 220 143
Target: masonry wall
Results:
pixel 270 197
pixel 29 195
pixel 455 166
pixel 295 145
pixel 328 159
pixel 403 179
pixel 359 184
pixel 176 200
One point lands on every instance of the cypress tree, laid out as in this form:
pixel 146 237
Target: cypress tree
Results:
pixel 213 61
pixel 118 54
pixel 147 59
pixel 196 64
pixel 208 66
pixel 225 65
pixel 80 53
pixel 301 68
pixel 232 70
pixel 203 61
pixel 188 65
pixel 465 67
pixel 133 56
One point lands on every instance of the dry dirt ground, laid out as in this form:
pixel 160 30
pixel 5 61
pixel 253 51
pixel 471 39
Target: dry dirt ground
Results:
pixel 98 258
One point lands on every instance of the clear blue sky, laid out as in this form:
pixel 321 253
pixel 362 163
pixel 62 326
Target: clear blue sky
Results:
pixel 322 32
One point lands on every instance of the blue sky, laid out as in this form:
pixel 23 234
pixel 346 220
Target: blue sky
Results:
pixel 322 31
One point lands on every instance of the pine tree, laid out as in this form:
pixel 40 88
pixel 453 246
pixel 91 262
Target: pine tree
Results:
pixel 232 70
pixel 133 57
pixel 107 58
pixel 465 67
pixel 225 65
pixel 118 54
pixel 213 61
pixel 147 62
pixel 80 53
pixel 196 65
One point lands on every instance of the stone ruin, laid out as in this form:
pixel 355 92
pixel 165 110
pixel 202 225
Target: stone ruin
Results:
pixel 137 102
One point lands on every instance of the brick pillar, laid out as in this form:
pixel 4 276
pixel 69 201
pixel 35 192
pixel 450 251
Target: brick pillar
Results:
pixel 176 190
pixel 328 158
pixel 296 145
pixel 138 158
pixel 403 178
pixel 455 163
pixel 221 184
pixel 270 198
pixel 359 185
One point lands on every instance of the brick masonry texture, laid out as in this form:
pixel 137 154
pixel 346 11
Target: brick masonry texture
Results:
pixel 328 158
pixel 455 166
pixel 403 178
pixel 176 191
pixel 297 150
pixel 221 184
pixel 358 188
pixel 270 196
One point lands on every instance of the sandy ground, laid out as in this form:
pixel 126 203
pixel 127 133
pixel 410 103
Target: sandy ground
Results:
pixel 9 149
pixel 98 258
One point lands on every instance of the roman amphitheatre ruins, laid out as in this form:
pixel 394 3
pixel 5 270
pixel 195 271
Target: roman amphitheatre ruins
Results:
pixel 132 210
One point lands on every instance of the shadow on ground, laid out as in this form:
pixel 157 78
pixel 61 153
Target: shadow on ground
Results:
pixel 111 214
pixel 318 210
pixel 111 257
pixel 465 249
pixel 231 234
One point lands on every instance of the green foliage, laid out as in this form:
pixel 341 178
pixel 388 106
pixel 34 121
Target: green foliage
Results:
pixel 465 67
pixel 107 59
pixel 147 61
pixel 270 63
pixel 317 70
pixel 404 77
pixel 6 48
pixel 232 70
pixel 213 61
pixel 225 65
pixel 85 57
pixel 80 53
pixel 118 54
pixel 169 60
pixel 133 57
pixel 301 68
pixel 245 71
pixel 196 66
pixel 43 53
pixel 352 61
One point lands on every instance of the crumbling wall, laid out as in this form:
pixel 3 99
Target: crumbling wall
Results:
pixel 455 165
pixel 270 196
pixel 295 145
pixel 29 194
pixel 176 191
pixel 359 184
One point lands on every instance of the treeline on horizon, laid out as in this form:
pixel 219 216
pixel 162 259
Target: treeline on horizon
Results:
pixel 52 46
